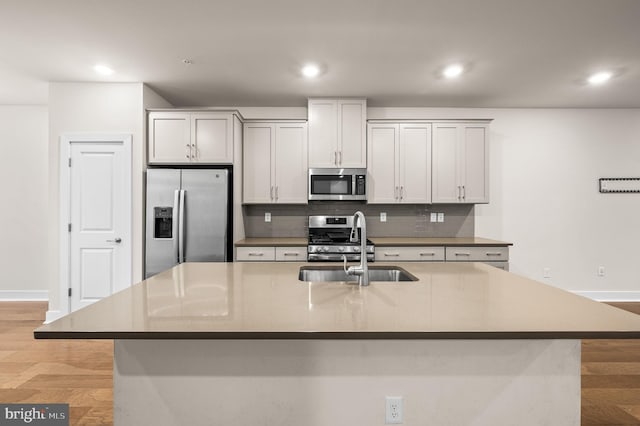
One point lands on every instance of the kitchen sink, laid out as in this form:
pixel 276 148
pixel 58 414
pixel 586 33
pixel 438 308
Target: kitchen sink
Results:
pixel 336 273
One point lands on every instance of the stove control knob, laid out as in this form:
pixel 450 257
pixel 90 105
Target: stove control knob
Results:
pixel 325 249
pixel 341 249
pixel 356 249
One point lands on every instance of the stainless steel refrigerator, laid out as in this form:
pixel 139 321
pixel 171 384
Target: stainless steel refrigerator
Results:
pixel 187 217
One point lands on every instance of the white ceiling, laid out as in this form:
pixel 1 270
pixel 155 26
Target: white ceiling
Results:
pixel 533 53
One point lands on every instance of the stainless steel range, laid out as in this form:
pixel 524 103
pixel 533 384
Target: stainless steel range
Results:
pixel 330 239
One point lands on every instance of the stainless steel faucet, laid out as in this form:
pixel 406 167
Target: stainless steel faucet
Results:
pixel 361 271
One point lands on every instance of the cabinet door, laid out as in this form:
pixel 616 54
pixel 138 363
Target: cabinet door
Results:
pixel 414 161
pixel 258 146
pixel 169 137
pixel 445 184
pixel 352 143
pixel 382 152
pixel 475 169
pixel 290 163
pixel 212 138
pixel 323 132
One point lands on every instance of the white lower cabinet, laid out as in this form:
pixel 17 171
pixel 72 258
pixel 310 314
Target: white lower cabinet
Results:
pixel 270 254
pixel 409 254
pixel 494 256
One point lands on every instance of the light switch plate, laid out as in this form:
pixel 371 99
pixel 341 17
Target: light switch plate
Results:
pixel 440 217
pixel 383 216
pixel 434 217
pixel 267 217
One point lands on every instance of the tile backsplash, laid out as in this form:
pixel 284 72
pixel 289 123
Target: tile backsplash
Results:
pixel 403 220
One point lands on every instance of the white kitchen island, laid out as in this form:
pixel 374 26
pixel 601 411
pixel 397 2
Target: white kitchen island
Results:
pixel 249 344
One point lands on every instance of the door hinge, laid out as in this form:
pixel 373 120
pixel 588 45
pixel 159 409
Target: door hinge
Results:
pixel 69 227
pixel 69 292
pixel 69 161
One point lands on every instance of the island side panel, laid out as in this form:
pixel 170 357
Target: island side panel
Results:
pixel 323 382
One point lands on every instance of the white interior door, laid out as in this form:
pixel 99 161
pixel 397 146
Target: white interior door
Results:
pixel 99 220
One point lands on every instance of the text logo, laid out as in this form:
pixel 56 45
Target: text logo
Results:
pixel 34 414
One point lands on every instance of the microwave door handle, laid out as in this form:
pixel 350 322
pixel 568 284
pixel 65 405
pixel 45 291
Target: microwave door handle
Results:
pixel 181 256
pixel 174 225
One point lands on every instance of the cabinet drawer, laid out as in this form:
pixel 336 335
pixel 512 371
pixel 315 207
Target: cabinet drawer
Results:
pixel 256 254
pixel 291 254
pixel 409 254
pixel 477 254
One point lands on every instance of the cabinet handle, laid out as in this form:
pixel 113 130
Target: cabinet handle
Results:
pixel 188 151
pixel 291 254
pixel 271 193
pixel 402 192
pixel 392 254
pixel 494 253
pixel 194 150
pixel 335 157
pixel 427 254
pixel 340 157
pixel 464 193
pixel 459 193
pixel 395 193
pixel 256 254
pixel 462 254
pixel 276 192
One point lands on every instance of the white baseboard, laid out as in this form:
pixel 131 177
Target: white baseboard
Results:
pixel 611 296
pixel 24 295
pixel 52 316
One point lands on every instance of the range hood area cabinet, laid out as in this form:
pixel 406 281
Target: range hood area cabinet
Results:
pixel 275 163
pixel 460 167
pixel 337 133
pixel 190 137
pixel 399 163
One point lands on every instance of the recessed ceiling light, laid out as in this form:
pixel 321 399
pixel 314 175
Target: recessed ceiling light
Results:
pixel 103 69
pixel 453 71
pixel 310 70
pixel 600 77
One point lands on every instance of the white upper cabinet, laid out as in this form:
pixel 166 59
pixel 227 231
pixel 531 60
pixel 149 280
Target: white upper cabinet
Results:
pixel 460 163
pixel 399 159
pixel 337 133
pixel 275 163
pixel 178 137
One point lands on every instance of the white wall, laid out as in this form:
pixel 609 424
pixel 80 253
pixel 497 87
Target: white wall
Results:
pixel 545 166
pixel 96 108
pixel 24 211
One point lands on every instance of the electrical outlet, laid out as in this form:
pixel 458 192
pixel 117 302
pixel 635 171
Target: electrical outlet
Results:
pixel 383 216
pixel 394 410
pixel 546 273
pixel 601 271
pixel 434 217
pixel 440 217
pixel 267 217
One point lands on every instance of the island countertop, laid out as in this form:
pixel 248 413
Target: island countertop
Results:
pixel 267 301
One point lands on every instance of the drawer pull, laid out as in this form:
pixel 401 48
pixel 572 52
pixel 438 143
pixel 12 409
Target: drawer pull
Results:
pixel 291 254
pixel 428 254
pixel 256 254
pixel 494 254
pixel 392 254
pixel 462 254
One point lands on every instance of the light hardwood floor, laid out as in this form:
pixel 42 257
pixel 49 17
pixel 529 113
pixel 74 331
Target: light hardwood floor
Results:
pixel 79 372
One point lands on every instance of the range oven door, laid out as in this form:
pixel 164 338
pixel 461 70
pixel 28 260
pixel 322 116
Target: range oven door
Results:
pixel 337 184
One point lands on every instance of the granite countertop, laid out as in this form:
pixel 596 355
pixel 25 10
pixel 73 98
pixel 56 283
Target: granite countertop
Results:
pixel 379 241
pixel 268 242
pixel 265 300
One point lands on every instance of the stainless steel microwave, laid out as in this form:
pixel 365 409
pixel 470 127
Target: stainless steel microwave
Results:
pixel 337 184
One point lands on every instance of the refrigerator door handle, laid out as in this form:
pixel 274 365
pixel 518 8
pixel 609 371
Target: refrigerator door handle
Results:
pixel 174 225
pixel 181 255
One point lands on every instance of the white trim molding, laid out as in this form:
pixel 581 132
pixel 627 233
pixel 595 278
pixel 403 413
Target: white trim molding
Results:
pixel 52 316
pixel 24 295
pixel 610 296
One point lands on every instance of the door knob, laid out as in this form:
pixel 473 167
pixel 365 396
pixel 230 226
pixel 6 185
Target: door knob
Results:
pixel 117 240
